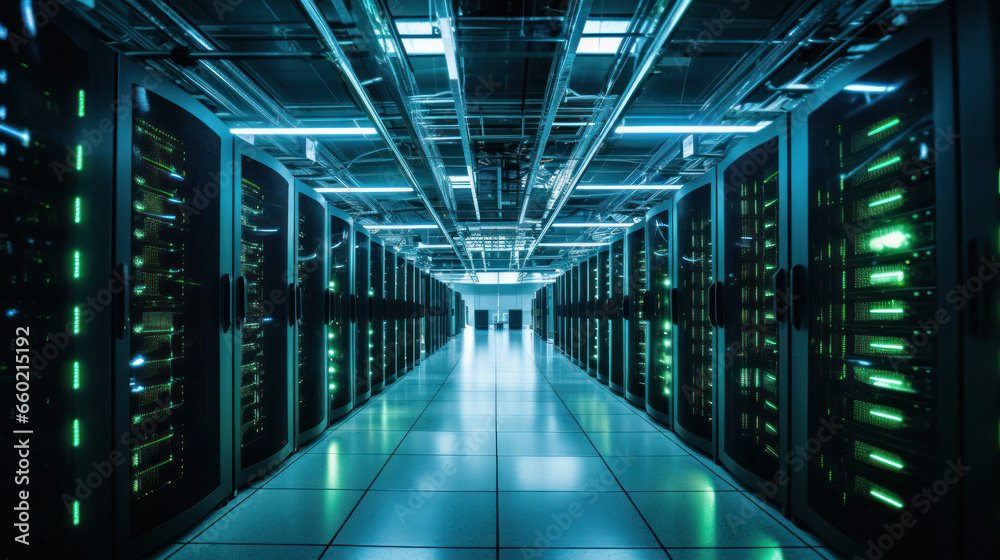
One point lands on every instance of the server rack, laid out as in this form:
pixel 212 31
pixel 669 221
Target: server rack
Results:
pixel 752 346
pixel 174 245
pixel 360 312
pixel 617 315
pixel 389 317
pixel 421 299
pixel 603 304
pixel 264 355
pixel 376 315
pixel 694 332
pixel 57 254
pixel 399 343
pixel 411 316
pixel 557 312
pixel 636 326
pixel 662 308
pixel 576 324
pixel 312 309
pixel 340 348
pixel 592 322
pixel 874 340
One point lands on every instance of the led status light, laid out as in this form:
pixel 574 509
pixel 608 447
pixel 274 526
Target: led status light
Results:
pixel 76 512
pixel 76 375
pixel 81 109
pixel 884 127
pixel 77 210
pixel 76 320
pixel 76 264
pixel 885 461
pixel 886 497
pixel 883 201
pixel 76 433
pixel 892 240
pixel 886 163
pixel 79 157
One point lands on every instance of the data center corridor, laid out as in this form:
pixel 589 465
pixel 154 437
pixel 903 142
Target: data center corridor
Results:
pixel 496 446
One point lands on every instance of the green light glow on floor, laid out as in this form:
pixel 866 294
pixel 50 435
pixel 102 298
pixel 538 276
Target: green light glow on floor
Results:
pixel 76 215
pixel 76 375
pixel 886 200
pixel 885 498
pixel 76 433
pixel 885 415
pixel 81 104
pixel 76 512
pixel 892 240
pixel 885 126
pixel 885 163
pixel 885 461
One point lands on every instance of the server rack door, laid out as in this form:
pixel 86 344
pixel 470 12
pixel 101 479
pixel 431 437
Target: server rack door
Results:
pixel 423 343
pixel 660 381
pixel 264 349
pixel 57 254
pixel 515 318
pixel 753 353
pixel 593 289
pixel 557 313
pixel 636 335
pixel 362 326
pixel 175 241
pixel 875 356
pixel 579 286
pixel 399 345
pixel 694 331
pixel 340 333
pixel 389 317
pixel 603 302
pixel 411 310
pixel 312 389
pixel 376 327
pixel 617 347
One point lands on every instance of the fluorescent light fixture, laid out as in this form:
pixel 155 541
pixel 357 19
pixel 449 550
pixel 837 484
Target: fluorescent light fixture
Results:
pixel 628 187
pixel 689 129
pixel 460 181
pixel 450 58
pixel 433 246
pixel 869 88
pixel 576 244
pixel 602 45
pixel 423 45
pixel 348 190
pixel 400 226
pixel 592 224
pixel 415 27
pixel 605 26
pixel 307 131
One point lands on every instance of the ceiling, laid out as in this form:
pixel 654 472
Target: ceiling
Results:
pixel 493 112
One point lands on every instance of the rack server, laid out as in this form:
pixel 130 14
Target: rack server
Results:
pixel 399 343
pixel 616 350
pixel 694 333
pixel 362 318
pixel 264 341
pixel 174 247
pixel 376 315
pixel 602 312
pixel 636 326
pixel 662 297
pixel 411 316
pixel 751 307
pixel 557 314
pixel 579 297
pixel 389 316
pixel 593 288
pixel 312 309
pixel 340 329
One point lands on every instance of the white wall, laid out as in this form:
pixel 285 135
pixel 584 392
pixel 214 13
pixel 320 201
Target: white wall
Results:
pixel 509 296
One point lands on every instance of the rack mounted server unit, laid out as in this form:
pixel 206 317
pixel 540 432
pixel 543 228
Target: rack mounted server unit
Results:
pixel 376 314
pixel 360 312
pixel 312 308
pixel 340 341
pixel 661 296
pixel 636 325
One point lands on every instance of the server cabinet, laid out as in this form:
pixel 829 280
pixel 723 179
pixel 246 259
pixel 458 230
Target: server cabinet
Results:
pixel 603 303
pixel 174 245
pixel 389 317
pixel 557 312
pixel 576 314
pixel 362 319
pixel 616 350
pixel 694 330
pixel 423 288
pixel 593 288
pixel 340 329
pixel 636 326
pixel 411 316
pixel 662 297
pixel 752 353
pixel 515 318
pixel 376 315
pixel 264 344
pixel 59 299
pixel 312 308
pixel 399 343
pixel 876 265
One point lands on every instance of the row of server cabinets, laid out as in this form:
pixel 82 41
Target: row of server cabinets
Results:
pixel 183 312
pixel 819 312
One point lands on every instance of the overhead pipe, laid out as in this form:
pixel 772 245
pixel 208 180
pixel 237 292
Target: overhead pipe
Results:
pixel 665 31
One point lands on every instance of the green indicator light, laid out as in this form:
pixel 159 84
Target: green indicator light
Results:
pixel 330 352
pixel 886 499
pixel 76 215
pixel 885 461
pixel 76 320
pixel 886 200
pixel 81 108
pixel 76 375
pixel 79 157
pixel 885 415
pixel 770 428
pixel 886 346
pixel 329 335
pixel 885 126
pixel 76 433
pixel 882 381
pixel 888 276
pixel 333 386
pixel 893 240
pixel 770 203
pixel 770 405
pixel 885 163
pixel 76 264
pixel 886 311
pixel 76 505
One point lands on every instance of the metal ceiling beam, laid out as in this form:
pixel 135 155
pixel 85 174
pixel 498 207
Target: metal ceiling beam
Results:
pixel 456 79
pixel 336 55
pixel 586 150
pixel 555 91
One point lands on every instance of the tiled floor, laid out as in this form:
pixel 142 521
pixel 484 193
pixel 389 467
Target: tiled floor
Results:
pixel 496 447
